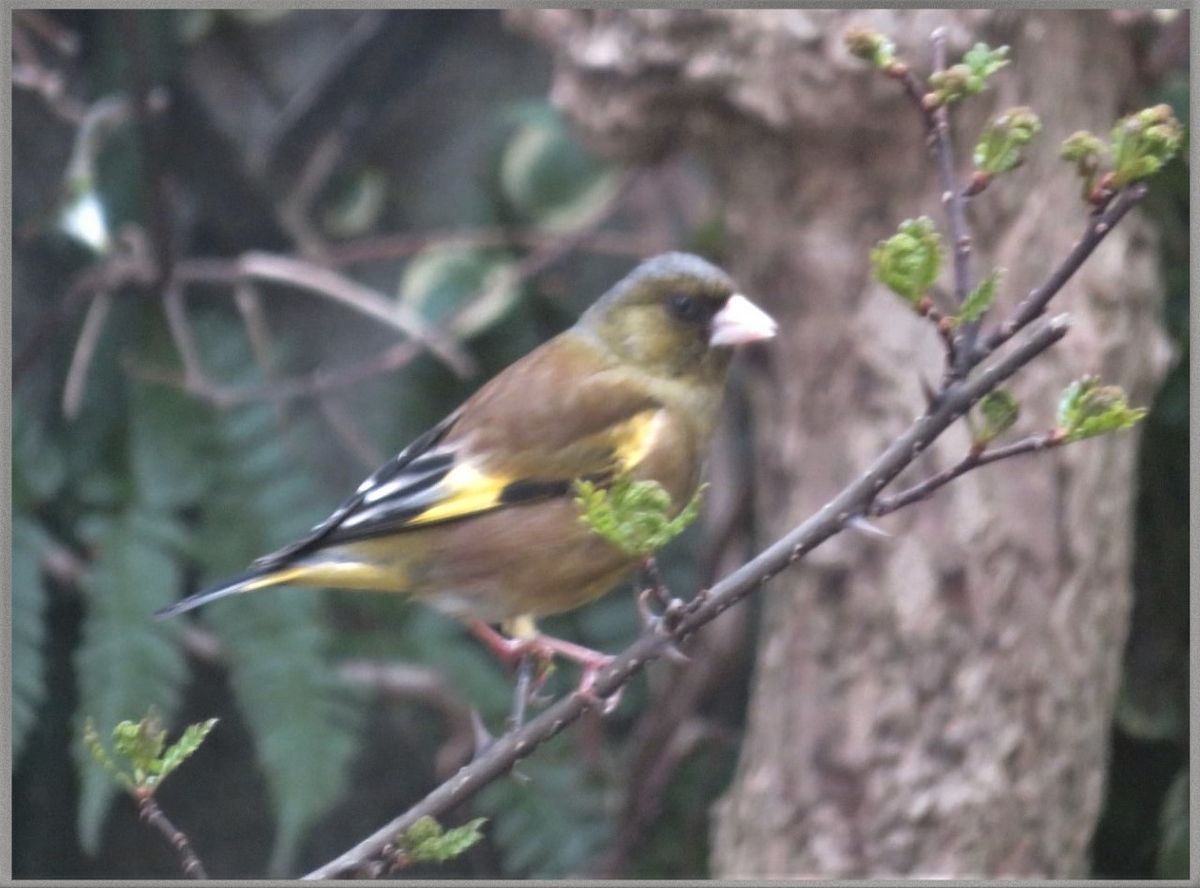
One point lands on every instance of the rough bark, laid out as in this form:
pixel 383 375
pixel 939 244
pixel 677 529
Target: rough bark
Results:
pixel 937 703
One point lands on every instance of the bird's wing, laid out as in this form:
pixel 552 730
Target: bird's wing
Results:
pixel 529 434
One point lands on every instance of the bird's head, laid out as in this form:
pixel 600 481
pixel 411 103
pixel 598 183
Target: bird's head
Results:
pixel 677 315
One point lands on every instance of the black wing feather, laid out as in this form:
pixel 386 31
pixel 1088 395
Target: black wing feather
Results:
pixel 408 458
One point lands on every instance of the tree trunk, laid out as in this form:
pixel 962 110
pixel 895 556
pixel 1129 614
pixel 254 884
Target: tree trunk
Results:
pixel 936 703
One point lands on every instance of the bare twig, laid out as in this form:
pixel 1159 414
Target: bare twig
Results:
pixel 346 430
pixel 1034 443
pixel 331 285
pixel 1033 305
pixel 156 212
pixel 953 202
pixel 85 350
pixel 854 500
pixel 149 811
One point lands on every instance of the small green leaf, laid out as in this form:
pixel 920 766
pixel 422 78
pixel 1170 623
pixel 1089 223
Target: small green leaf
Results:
pixel 426 842
pixel 909 261
pixel 634 515
pixel 91 740
pixel 866 43
pixel 979 300
pixel 967 78
pixel 182 749
pixel 1000 411
pixel 1143 142
pixel 983 61
pixel 1087 409
pixel 999 148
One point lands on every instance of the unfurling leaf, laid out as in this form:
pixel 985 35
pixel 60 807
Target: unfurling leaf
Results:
pixel 1087 409
pixel 1085 150
pixel 1143 142
pixel 909 261
pixel 426 842
pixel 979 300
pixel 999 148
pixel 179 751
pixel 968 77
pixel 1000 411
pixel 870 45
pixel 633 515
pixel 141 744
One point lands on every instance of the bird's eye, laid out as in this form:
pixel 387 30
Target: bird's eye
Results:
pixel 686 308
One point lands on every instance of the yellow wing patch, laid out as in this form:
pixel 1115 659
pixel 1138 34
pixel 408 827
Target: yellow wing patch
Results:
pixel 468 491
pixel 636 436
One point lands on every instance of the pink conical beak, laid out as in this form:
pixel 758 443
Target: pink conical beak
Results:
pixel 740 322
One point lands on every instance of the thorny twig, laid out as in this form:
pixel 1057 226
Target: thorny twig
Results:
pixel 149 811
pixel 1034 305
pixel 957 398
pixel 973 460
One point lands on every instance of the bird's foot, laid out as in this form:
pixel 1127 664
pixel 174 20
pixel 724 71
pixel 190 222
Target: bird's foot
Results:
pixel 662 623
pixel 538 651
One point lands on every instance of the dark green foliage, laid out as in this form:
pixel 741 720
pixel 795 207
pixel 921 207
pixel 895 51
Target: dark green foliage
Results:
pixel 545 175
pixel 274 641
pixel 28 630
pixel 127 660
pixel 460 288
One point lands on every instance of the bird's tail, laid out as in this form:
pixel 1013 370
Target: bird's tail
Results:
pixel 250 581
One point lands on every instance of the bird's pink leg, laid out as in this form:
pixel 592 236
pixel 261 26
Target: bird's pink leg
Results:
pixel 545 648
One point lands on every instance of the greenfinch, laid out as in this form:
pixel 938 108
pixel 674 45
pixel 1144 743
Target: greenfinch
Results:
pixel 477 517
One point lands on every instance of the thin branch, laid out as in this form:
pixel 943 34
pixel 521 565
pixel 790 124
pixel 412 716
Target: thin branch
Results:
pixel 149 811
pixel 1033 305
pixel 330 285
pixel 349 435
pixel 85 350
pixel 854 500
pixel 155 208
pixel 1033 444
pixel 953 202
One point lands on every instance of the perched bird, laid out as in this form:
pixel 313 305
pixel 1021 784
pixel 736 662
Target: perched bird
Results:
pixel 477 517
